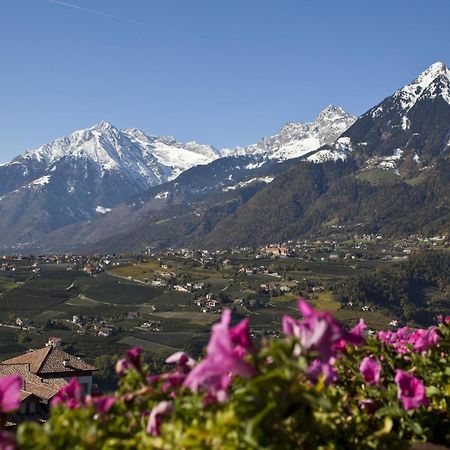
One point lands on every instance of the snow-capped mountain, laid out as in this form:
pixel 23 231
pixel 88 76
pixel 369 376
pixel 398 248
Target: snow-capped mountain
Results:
pixel 171 154
pixel 391 175
pixel 406 130
pixel 297 139
pixel 85 174
pixel 144 160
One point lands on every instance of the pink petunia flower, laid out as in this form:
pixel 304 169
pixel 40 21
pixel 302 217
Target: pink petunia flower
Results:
pixel 102 404
pixel 316 331
pixel 406 339
pixel 353 337
pixel 134 357
pixel 182 360
pixel 326 369
pixel 411 391
pixel 155 419
pixel 70 395
pixel 10 393
pixel 223 359
pixel 370 370
pixel 123 366
pixel 240 336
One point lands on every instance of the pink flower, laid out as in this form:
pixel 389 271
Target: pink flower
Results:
pixel 411 391
pixel 131 361
pixel 370 370
pixel 182 360
pixel 405 339
pixel 134 357
pixel 223 359
pixel 241 337
pixel 326 369
pixel 10 393
pixel 102 404
pixel 155 419
pixel 316 331
pixel 353 337
pixel 7 441
pixel 423 340
pixel 445 320
pixel 123 366
pixel 69 395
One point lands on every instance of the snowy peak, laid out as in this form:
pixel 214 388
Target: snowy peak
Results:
pixel 104 126
pixel 295 139
pixel 436 70
pixel 149 159
pixel 173 156
pixel 332 114
pixel 433 82
pixel 413 120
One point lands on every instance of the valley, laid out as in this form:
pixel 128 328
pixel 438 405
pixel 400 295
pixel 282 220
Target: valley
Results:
pixel 166 301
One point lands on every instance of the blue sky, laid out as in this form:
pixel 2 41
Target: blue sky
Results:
pixel 224 72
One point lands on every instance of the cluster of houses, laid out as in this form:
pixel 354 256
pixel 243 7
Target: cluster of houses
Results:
pixel 208 304
pixel 96 327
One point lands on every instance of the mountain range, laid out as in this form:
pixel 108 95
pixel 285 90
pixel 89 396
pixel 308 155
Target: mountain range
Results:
pixel 116 190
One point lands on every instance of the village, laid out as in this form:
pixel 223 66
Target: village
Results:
pixel 166 300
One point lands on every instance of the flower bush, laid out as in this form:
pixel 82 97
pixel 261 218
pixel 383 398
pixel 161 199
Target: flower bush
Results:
pixel 318 387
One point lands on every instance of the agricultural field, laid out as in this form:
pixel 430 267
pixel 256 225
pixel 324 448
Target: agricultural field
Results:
pixel 168 302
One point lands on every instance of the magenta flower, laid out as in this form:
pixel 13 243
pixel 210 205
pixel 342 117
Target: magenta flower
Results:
pixel 423 340
pixel 406 339
pixel 10 393
pixel 316 331
pixel 123 366
pixel 7 441
pixel 134 357
pixel 326 369
pixel 240 336
pixel 155 419
pixel 353 337
pixel 370 370
pixel 445 320
pixel 411 391
pixel 131 361
pixel 69 395
pixel 102 404
pixel 182 360
pixel 223 359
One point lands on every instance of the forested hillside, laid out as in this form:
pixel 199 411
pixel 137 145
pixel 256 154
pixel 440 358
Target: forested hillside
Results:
pixel 415 290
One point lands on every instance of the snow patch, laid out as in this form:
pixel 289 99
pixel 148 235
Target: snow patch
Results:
pixel 248 182
pixel 41 181
pixel 327 155
pixel 162 195
pixel 102 210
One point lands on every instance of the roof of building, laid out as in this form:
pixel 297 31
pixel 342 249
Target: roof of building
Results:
pixel 48 360
pixel 32 384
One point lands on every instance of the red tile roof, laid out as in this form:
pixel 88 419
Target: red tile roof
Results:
pixel 32 384
pixel 48 360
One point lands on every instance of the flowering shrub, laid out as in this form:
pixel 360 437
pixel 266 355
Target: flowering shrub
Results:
pixel 319 387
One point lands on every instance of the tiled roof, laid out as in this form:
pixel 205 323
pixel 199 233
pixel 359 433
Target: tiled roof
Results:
pixel 32 384
pixel 50 360
pixel 34 358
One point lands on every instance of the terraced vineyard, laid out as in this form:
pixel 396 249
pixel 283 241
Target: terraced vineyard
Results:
pixel 106 313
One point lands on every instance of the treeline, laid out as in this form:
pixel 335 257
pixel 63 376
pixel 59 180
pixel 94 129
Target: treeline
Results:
pixel 416 290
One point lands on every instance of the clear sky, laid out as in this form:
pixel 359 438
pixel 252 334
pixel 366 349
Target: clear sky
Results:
pixel 223 72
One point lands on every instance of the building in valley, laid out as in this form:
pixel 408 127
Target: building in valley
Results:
pixel 44 372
